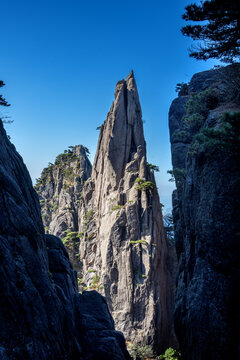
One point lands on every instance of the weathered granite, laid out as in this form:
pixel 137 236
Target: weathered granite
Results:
pixel 59 189
pixel 206 217
pixel 123 247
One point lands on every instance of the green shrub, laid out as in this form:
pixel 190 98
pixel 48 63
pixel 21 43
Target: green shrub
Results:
pixel 117 207
pixel 95 280
pixel 225 138
pixel 197 108
pixel 136 242
pixel 141 352
pixel 182 136
pixel 143 185
pixel 66 156
pixel 88 216
pixel 80 281
pixel 70 237
pixel 182 89
pixel 193 121
pixel 177 175
pixel 170 354
pixel 153 167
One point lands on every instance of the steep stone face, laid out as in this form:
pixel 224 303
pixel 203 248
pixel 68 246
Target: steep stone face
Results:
pixel 205 157
pixel 59 189
pixel 122 247
pixel 42 315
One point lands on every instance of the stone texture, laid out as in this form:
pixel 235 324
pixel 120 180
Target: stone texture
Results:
pixel 123 247
pixel 59 189
pixel 42 315
pixel 206 218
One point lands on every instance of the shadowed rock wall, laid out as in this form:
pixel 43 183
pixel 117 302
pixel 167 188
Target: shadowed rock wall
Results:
pixel 42 316
pixel 205 157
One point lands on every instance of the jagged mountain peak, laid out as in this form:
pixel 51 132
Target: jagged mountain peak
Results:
pixel 122 132
pixel 115 232
pixel 122 243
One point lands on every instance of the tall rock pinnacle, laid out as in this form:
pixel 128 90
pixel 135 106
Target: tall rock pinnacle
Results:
pixel 115 219
pixel 122 132
pixel 123 249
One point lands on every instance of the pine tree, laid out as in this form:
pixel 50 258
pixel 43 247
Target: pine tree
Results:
pixel 220 32
pixel 3 102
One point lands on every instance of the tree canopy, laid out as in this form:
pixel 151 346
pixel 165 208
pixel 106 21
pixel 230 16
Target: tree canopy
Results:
pixel 219 32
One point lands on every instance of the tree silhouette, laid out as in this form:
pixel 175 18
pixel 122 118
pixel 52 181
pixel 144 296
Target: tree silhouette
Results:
pixel 3 102
pixel 219 32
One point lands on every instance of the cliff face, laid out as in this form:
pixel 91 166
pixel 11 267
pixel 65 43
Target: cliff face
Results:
pixel 123 248
pixel 118 226
pixel 42 315
pixel 59 189
pixel 205 157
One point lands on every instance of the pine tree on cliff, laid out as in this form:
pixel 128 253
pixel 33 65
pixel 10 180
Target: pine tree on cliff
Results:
pixel 3 102
pixel 220 32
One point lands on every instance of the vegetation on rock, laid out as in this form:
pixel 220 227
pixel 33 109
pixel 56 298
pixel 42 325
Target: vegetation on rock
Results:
pixel 197 108
pixel 143 185
pixel 226 137
pixel 177 175
pixel 136 242
pixel 153 167
pixel 182 89
pixel 140 352
pixel 170 354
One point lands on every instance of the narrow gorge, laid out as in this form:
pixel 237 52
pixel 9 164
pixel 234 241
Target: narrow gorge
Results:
pixel 86 266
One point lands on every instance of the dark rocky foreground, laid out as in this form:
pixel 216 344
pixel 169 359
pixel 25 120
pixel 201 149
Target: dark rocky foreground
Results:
pixel 205 157
pixel 42 315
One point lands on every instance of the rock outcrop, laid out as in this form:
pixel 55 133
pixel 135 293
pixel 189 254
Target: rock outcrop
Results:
pixel 122 246
pixel 117 223
pixel 205 157
pixel 59 189
pixel 42 315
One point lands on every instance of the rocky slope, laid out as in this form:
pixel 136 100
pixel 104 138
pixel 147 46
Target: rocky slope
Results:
pixel 42 315
pixel 122 249
pixel 205 157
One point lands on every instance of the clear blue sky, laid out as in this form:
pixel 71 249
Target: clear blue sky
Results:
pixel 61 59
